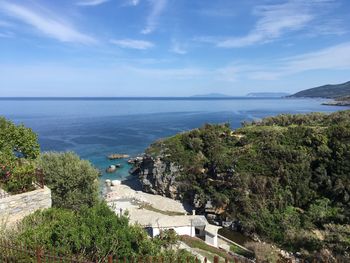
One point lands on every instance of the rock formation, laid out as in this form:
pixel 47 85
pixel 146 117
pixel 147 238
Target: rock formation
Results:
pixel 158 176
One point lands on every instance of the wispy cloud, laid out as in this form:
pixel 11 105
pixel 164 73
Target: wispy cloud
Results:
pixel 132 43
pixel 158 7
pixel 91 2
pixel 273 22
pixel 133 2
pixel 177 47
pixel 332 58
pixel 47 23
pixel 166 73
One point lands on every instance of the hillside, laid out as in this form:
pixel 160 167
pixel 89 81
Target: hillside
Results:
pixel 284 179
pixel 326 91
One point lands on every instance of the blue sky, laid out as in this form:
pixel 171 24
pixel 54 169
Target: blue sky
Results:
pixel 171 47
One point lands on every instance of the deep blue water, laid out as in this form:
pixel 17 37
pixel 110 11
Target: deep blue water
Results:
pixel 94 128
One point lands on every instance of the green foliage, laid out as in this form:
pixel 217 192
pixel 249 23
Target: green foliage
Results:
pixel 73 182
pixel 197 243
pixel 92 232
pixel 18 148
pixel 19 178
pixel 282 177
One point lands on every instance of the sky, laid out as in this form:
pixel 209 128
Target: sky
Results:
pixel 171 47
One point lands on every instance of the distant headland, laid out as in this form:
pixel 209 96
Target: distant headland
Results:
pixel 340 93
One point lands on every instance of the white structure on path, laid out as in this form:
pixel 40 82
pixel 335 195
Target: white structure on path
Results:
pixel 122 198
pixel 191 225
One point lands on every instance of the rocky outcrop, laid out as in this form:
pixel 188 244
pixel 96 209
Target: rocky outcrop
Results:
pixel 158 176
pixel 117 156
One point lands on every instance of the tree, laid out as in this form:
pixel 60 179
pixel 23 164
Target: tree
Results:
pixel 73 181
pixel 17 141
pixel 18 148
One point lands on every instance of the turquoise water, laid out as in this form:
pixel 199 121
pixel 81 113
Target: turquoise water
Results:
pixel 94 128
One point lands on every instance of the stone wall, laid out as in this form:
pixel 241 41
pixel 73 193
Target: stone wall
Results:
pixel 14 207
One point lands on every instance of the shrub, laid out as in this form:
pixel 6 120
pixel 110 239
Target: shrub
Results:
pixel 73 181
pixel 91 233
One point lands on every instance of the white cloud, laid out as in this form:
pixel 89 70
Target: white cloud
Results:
pixel 91 2
pixel 178 48
pixel 47 23
pixel 169 73
pixel 227 73
pixel 274 21
pixel 332 58
pixel 133 2
pixel 158 7
pixel 132 43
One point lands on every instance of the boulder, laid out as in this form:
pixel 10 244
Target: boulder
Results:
pixel 108 182
pixel 111 169
pixel 116 182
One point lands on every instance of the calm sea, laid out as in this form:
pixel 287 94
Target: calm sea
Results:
pixel 94 128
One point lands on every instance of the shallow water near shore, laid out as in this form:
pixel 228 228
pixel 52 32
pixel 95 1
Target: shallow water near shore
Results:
pixel 95 128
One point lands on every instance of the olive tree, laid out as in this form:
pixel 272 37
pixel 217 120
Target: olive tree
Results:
pixel 73 181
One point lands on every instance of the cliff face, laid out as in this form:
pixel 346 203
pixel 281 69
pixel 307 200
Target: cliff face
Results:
pixel 157 176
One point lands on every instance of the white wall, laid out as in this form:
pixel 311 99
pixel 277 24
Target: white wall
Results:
pixel 211 240
pixel 182 230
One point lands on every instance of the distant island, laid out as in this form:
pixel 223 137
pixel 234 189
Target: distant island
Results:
pixel 339 92
pixel 268 94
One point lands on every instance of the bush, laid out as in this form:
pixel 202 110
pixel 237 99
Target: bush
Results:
pixel 73 182
pixel 18 178
pixel 90 233
pixel 18 148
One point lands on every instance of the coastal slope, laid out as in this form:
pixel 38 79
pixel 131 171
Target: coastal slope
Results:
pixel 284 179
pixel 325 91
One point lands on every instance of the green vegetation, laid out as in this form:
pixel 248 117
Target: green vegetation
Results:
pixel 204 249
pixel 152 208
pixel 285 178
pixel 326 91
pixel 91 234
pixel 18 149
pixel 73 182
pixel 79 225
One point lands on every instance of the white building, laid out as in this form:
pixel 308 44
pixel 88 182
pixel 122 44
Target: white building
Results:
pixel 191 225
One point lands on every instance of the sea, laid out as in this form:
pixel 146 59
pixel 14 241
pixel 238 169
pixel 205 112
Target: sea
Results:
pixel 97 127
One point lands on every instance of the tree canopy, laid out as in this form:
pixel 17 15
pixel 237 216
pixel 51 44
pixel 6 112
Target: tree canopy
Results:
pixel 19 148
pixel 73 181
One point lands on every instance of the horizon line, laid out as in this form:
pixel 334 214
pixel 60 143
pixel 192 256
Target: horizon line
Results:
pixel 133 97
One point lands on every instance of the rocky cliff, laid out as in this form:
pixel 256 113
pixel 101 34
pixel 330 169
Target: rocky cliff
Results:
pixel 157 176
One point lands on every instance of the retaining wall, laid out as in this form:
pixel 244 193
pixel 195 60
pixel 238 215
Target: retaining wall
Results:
pixel 14 207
